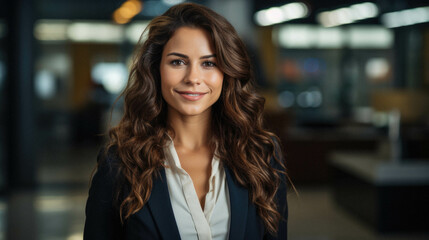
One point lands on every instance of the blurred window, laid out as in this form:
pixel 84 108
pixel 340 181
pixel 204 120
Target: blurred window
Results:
pixel 45 84
pixel 113 76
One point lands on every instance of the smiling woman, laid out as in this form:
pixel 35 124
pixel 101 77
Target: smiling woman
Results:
pixel 190 158
pixel 191 82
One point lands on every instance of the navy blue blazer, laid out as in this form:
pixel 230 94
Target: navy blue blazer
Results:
pixel 156 219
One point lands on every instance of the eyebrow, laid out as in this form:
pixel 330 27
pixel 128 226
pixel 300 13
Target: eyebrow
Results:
pixel 184 56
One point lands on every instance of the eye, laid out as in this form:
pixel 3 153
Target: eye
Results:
pixel 209 64
pixel 177 62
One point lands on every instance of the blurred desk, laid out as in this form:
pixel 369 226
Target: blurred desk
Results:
pixel 307 150
pixel 390 197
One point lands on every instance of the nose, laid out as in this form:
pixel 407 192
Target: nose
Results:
pixel 193 75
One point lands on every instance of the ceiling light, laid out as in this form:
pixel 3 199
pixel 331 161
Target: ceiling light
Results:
pixel 406 17
pixel 347 15
pixel 281 14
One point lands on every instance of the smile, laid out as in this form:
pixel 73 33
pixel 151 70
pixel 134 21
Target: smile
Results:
pixel 191 96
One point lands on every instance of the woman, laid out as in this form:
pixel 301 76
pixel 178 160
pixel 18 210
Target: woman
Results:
pixel 189 159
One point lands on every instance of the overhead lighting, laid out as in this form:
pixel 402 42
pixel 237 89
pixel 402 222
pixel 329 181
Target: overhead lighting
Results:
pixel 308 36
pixel 134 31
pixel 127 11
pixel 95 32
pixel 51 30
pixel 348 15
pixel 281 14
pixel 370 37
pixel 88 31
pixel 172 2
pixel 406 17
pixel 299 36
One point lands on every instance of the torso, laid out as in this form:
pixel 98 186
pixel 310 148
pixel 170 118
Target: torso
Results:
pixel 197 163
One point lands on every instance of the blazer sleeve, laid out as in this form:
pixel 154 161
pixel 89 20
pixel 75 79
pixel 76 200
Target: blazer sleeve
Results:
pixel 281 198
pixel 102 216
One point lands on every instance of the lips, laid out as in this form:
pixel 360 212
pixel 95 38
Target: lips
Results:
pixel 191 96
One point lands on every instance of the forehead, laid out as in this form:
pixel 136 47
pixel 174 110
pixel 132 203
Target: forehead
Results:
pixel 190 40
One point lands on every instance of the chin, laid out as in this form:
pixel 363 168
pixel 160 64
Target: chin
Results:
pixel 192 111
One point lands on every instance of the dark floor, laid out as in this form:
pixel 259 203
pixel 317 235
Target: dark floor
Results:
pixel 56 210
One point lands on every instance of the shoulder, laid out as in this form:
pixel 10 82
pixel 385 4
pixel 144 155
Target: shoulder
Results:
pixel 108 159
pixel 277 160
pixel 102 215
pixel 107 176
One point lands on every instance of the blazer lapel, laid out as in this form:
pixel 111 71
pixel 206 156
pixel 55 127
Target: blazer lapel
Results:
pixel 160 206
pixel 239 200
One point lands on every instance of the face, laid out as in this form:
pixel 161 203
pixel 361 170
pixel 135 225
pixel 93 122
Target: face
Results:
pixel 191 81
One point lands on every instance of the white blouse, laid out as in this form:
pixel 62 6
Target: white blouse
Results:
pixel 192 221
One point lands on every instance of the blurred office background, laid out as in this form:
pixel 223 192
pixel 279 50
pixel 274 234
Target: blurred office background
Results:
pixel 346 86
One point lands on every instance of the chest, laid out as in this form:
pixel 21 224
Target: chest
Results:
pixel 161 221
pixel 198 165
pixel 199 195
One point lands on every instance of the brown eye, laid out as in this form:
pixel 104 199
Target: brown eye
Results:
pixel 209 64
pixel 177 62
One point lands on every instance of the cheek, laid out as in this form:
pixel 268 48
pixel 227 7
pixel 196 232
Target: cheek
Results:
pixel 165 88
pixel 164 84
pixel 167 79
pixel 216 81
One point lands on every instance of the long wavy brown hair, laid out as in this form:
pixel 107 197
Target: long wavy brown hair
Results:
pixel 237 117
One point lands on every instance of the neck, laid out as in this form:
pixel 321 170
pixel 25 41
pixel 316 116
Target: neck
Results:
pixel 191 132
